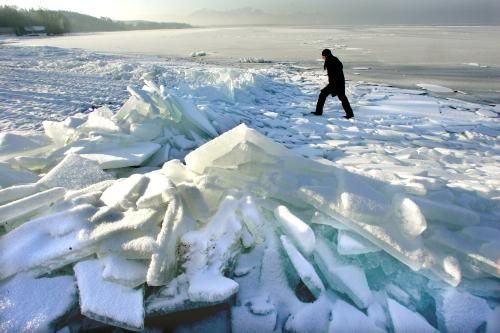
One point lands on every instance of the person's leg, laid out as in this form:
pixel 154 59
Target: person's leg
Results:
pixel 321 101
pixel 345 104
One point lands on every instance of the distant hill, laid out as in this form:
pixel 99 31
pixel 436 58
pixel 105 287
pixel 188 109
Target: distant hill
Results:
pixel 58 22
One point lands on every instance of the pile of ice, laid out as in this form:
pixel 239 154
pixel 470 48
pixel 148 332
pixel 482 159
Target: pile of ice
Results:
pixel 254 60
pixel 195 54
pixel 119 227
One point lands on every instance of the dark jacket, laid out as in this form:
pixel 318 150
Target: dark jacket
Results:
pixel 335 72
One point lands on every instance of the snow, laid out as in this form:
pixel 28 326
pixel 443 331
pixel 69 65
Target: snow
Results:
pixel 212 186
pixel 35 305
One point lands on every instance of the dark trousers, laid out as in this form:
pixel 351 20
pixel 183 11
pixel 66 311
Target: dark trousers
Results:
pixel 328 90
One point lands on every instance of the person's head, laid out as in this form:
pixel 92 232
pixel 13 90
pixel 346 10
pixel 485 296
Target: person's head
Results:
pixel 326 53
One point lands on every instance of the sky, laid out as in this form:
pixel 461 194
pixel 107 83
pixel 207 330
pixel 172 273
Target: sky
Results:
pixel 475 12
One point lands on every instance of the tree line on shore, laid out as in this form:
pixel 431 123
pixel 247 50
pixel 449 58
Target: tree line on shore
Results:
pixel 59 22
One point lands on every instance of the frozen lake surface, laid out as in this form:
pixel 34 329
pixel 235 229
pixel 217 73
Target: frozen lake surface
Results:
pixel 135 188
pixel 462 58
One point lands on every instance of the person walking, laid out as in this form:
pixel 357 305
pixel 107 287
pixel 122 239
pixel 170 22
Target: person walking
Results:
pixel 336 84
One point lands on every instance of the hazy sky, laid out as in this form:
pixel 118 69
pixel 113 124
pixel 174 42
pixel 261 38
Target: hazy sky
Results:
pixel 283 11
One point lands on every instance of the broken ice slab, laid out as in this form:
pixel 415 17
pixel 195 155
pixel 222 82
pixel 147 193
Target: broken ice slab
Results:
pixel 106 301
pixel 130 273
pixel 459 311
pixel 52 241
pixel 174 298
pixel 232 148
pixel 29 205
pixel 447 213
pixel 35 305
pixel 345 278
pixel 304 269
pixel 98 187
pixel 133 220
pixel 10 176
pixel 346 318
pixel 16 192
pixel 405 320
pixel 133 154
pixel 123 194
pixel 163 260
pixel 156 193
pixel 294 227
pixel 14 144
pixel 74 173
pixel 350 243
pixel 211 287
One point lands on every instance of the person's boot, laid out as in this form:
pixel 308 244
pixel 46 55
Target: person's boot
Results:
pixel 316 114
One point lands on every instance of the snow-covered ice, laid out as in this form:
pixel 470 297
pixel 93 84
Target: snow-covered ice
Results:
pixel 212 186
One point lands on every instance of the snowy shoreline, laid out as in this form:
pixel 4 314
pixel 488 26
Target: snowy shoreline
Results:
pixel 216 185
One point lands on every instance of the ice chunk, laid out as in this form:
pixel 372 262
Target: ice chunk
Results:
pixel 434 88
pixel 146 131
pixel 133 154
pixel 125 192
pixel 207 286
pixel 29 205
pixel 399 294
pixel 208 154
pixel 161 269
pixel 212 250
pixel 132 220
pixel 59 132
pixel 35 305
pixel 460 311
pixel 10 176
pixel 74 173
pixel 98 121
pixel 19 143
pixel 320 218
pixel 305 270
pixel 362 206
pixel 160 157
pixel 106 301
pixel 447 213
pixel 130 244
pixel 53 242
pixel 299 231
pixel 405 320
pixel 347 279
pixel 195 202
pixel 98 187
pixel 251 217
pixel 156 193
pixel 350 243
pixel 413 222
pixel 174 298
pixel 17 192
pixel 346 318
pixel 130 273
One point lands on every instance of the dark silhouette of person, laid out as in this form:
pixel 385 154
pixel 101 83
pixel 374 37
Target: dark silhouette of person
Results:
pixel 336 84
